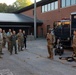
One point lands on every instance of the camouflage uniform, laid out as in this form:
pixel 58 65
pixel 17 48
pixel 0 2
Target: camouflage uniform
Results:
pixel 4 39
pixel 13 40
pixel 20 41
pixel 74 45
pixel 50 45
pixel 9 41
pixel 1 40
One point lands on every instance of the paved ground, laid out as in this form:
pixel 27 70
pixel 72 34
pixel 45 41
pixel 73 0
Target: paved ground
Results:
pixel 34 62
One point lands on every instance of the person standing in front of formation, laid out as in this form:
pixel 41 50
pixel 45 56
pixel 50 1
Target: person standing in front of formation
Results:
pixel 25 36
pixel 50 44
pixel 4 38
pixel 20 40
pixel 9 33
pixel 13 40
pixel 1 41
pixel 74 43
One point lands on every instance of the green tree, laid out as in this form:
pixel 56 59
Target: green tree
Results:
pixel 22 3
pixel 11 8
pixel 3 7
pixel 16 6
pixel 7 8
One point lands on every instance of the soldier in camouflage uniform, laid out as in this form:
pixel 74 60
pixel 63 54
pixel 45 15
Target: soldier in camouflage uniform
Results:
pixel 13 39
pixel 4 38
pixel 1 40
pixel 50 44
pixel 25 36
pixel 20 40
pixel 9 33
pixel 74 43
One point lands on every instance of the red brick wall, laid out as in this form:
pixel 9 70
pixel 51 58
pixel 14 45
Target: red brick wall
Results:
pixel 48 18
pixel 29 13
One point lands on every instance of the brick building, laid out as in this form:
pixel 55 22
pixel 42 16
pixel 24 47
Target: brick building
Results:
pixel 49 11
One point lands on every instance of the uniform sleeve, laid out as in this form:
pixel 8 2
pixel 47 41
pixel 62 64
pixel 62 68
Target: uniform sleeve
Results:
pixel 1 38
pixel 47 37
pixel 53 38
pixel 74 42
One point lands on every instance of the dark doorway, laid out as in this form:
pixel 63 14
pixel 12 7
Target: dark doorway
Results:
pixel 48 26
pixel 41 32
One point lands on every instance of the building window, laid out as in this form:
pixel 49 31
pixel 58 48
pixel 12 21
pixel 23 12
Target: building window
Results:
pixel 63 3
pixel 68 3
pixel 52 6
pixel 46 9
pixel 49 8
pixel 56 5
pixel 73 2
pixel 43 9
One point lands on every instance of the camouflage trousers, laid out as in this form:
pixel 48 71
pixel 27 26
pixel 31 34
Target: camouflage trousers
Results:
pixel 4 42
pixel 50 50
pixel 20 45
pixel 15 47
pixel 74 50
pixel 9 46
pixel 0 48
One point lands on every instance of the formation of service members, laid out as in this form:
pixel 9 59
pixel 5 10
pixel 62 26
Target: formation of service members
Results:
pixel 11 38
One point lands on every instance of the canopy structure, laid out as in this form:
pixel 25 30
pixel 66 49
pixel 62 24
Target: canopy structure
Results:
pixel 17 20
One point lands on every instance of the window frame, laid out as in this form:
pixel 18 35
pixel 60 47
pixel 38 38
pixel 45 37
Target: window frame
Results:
pixel 42 9
pixel 45 8
pixel 52 7
pixel 49 8
pixel 67 3
pixel 55 5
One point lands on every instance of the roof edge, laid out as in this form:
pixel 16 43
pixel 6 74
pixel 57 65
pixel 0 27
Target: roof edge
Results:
pixel 40 3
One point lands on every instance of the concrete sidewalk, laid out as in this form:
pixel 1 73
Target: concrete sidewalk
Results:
pixel 33 61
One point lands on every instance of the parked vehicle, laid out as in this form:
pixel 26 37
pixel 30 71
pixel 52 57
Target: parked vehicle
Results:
pixel 63 30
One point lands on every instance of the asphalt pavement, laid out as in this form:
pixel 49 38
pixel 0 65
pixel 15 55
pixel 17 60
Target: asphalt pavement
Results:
pixel 34 61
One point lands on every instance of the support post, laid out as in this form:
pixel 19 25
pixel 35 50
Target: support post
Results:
pixel 35 19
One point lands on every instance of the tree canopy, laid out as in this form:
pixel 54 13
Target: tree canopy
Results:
pixel 22 3
pixel 7 8
pixel 15 6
